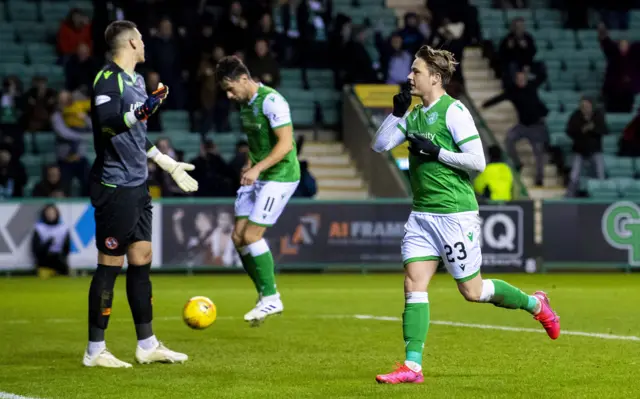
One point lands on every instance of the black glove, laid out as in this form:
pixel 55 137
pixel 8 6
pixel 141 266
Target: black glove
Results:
pixel 421 146
pixel 402 101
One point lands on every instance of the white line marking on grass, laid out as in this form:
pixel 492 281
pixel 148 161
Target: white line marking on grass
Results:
pixel 506 328
pixel 379 318
pixel 8 395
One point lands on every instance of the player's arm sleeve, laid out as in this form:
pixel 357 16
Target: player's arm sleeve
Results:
pixel 108 105
pixel 276 109
pixel 466 136
pixel 390 134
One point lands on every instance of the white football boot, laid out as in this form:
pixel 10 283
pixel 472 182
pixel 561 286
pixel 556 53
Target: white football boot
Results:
pixel 267 306
pixel 159 354
pixel 103 358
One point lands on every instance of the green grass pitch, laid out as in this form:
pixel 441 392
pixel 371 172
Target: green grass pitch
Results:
pixel 319 349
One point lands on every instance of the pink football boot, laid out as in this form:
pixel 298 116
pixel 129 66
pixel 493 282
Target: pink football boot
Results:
pixel 547 317
pixel 402 374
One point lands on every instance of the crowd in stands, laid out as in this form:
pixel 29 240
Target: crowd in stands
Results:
pixel 520 61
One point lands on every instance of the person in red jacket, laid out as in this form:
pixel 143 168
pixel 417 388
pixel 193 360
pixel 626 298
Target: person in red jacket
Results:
pixel 74 30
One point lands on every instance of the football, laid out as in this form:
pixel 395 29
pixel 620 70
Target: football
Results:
pixel 199 312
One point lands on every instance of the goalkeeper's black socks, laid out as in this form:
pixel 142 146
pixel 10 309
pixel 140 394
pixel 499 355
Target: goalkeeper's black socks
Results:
pixel 140 299
pixel 100 300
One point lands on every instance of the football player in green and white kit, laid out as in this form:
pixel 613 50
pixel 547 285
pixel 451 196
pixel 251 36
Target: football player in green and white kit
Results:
pixel 444 225
pixel 268 180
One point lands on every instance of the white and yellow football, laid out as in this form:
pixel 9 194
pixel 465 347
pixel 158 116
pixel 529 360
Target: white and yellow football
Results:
pixel 199 312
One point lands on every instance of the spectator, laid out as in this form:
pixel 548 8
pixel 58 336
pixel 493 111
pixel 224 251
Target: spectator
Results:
pixel 338 39
pixel 51 243
pixel 412 37
pixel 395 62
pixel 507 4
pixel 80 70
pixel 74 30
pixel 155 190
pixel 451 37
pixel 615 14
pixel 13 176
pixel 214 104
pixel 40 103
pixel 72 126
pixel 215 178
pixel 265 30
pixel 154 123
pixel 531 112
pixel 307 187
pixel 165 57
pixel 239 161
pixel 622 80
pixel 629 143
pixel 11 111
pixel 263 66
pixel 358 66
pixel 496 181
pixel 586 128
pixel 234 29
pixel 168 187
pixel 294 15
pixel 51 184
pixel 517 51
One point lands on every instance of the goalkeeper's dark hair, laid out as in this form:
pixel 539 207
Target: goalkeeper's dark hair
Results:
pixel 115 29
pixel 231 67
pixel 439 62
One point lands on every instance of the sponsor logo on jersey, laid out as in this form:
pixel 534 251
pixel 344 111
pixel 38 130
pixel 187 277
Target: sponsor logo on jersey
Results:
pixel 102 99
pixel 135 106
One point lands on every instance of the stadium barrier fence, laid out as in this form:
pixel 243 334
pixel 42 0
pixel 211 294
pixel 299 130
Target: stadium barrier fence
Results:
pixel 191 235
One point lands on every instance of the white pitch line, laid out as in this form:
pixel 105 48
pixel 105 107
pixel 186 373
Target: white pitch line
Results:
pixel 506 328
pixel 381 318
pixel 8 395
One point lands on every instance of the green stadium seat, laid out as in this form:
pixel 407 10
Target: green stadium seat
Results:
pixel 616 122
pixel 29 32
pixel 602 189
pixel 40 53
pixel 173 121
pixel 303 116
pixel 7 33
pixel 525 14
pixel 547 18
pixel 619 166
pixel 623 184
pixel 610 145
pixel 23 11
pixel 297 96
pixel 54 11
pixel 12 53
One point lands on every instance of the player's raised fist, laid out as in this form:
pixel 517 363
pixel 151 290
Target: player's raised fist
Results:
pixel 402 101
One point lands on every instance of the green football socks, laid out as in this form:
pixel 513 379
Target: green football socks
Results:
pixel 415 325
pixel 249 266
pixel 265 267
pixel 507 296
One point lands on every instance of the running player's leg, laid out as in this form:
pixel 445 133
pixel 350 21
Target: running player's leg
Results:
pixel 271 199
pixel 139 291
pixel 420 258
pixel 463 258
pixel 113 224
pixel 243 206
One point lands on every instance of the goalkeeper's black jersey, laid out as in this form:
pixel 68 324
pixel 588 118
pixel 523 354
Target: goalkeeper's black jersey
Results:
pixel 121 148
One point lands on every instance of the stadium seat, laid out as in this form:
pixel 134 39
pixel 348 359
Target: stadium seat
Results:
pixel 54 10
pixel 29 32
pixel 23 11
pixel 602 189
pixel 616 122
pixel 174 120
pixel 619 166
pixel 40 53
pixel 12 53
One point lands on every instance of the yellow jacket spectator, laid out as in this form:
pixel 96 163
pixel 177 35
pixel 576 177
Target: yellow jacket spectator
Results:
pixel 496 181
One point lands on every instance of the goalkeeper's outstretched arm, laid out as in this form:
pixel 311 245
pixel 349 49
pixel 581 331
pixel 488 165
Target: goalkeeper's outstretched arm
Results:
pixel 465 134
pixel 390 134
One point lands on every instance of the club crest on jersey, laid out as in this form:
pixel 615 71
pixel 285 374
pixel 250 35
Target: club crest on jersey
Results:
pixel 432 118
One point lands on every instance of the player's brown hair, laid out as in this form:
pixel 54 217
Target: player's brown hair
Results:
pixel 230 67
pixel 114 30
pixel 439 62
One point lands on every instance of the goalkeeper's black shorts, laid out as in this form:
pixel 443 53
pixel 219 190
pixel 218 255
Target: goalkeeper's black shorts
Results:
pixel 123 216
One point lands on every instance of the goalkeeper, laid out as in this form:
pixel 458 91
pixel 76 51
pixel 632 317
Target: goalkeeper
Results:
pixel 444 225
pixel 119 194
